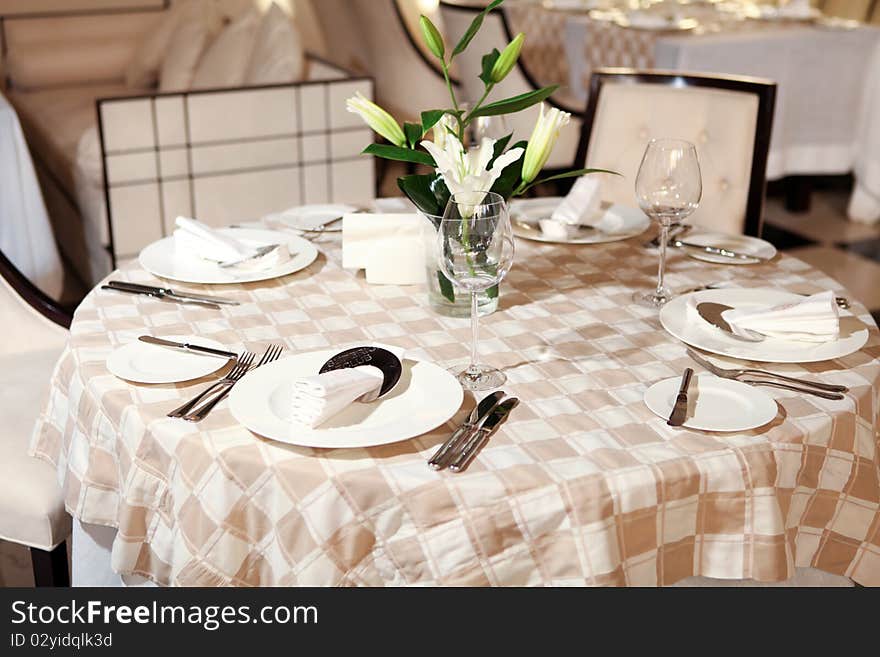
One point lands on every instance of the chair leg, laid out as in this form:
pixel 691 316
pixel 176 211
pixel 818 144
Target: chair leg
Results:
pixel 50 568
pixel 798 193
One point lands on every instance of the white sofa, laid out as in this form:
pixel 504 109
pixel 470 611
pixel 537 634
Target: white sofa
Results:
pixel 224 155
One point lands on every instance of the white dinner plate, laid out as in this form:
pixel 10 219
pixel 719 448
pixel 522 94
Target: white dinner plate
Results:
pixel 426 397
pixel 161 259
pixel 309 217
pixel 525 215
pixel 140 362
pixel 739 243
pixel 714 404
pixel 684 324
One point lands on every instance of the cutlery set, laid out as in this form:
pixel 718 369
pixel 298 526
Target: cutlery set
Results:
pixel 773 380
pixel 167 294
pixel 468 439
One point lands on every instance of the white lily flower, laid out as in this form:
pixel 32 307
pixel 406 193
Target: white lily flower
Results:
pixel 468 172
pixel 377 118
pixel 441 131
pixel 543 140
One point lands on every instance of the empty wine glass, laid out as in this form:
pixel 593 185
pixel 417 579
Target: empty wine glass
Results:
pixel 475 251
pixel 669 188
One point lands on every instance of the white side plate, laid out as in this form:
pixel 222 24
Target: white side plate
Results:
pixel 309 217
pixel 426 397
pixel 714 404
pixel 140 362
pixel 739 243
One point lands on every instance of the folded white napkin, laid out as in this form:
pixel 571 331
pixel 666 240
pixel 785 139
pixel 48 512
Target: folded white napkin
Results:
pixel 389 247
pixel 195 237
pixel 581 202
pixel 318 398
pixel 815 319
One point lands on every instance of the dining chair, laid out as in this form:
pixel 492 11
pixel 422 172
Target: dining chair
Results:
pixel 729 119
pixel 31 505
pixel 496 32
pixel 875 14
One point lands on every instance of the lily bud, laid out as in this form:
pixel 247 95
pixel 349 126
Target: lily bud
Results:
pixel 542 141
pixel 432 37
pixel 505 63
pixel 377 118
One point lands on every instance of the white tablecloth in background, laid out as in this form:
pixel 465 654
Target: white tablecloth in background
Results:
pixel 25 233
pixel 823 77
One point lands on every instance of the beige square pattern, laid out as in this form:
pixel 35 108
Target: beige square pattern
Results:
pixel 583 486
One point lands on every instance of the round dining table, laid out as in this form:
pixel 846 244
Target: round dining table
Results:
pixel 582 486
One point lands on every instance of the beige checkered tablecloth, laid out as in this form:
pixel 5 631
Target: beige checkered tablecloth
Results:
pixel 582 486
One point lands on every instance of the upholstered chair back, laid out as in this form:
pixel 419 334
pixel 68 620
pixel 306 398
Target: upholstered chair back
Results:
pixel 408 81
pixel 495 33
pixel 25 329
pixel 722 123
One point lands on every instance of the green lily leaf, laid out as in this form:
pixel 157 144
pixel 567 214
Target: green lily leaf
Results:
pixel 488 64
pixel 391 152
pixel 500 145
pixel 516 103
pixel 430 118
pixel 510 178
pixel 492 292
pixel 413 132
pixel 446 288
pixel 577 173
pixel 428 192
pixel 472 30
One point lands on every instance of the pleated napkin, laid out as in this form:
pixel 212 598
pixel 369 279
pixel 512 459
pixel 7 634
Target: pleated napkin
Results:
pixel 200 239
pixel 318 398
pixel 815 319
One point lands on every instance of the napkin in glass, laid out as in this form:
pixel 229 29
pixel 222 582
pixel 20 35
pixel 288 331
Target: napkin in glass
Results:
pixel 206 243
pixel 815 319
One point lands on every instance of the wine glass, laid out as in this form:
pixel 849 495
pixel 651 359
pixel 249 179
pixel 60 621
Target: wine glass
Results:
pixel 475 251
pixel 669 188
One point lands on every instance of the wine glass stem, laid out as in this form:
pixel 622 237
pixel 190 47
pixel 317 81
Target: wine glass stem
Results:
pixel 661 269
pixel 474 334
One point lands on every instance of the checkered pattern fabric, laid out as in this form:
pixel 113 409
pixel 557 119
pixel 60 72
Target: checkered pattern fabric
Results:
pixel 583 485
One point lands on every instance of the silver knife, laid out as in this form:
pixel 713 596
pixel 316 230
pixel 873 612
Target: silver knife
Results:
pixel 717 250
pixel 679 410
pixel 474 421
pixel 186 346
pixel 479 438
pixel 168 292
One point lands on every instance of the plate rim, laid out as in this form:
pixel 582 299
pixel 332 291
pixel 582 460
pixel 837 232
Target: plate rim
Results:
pixel 237 393
pixel 682 300
pixel 707 257
pixel 208 342
pixel 518 232
pixel 304 246
pixel 721 382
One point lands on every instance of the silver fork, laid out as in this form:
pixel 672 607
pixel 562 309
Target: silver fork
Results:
pixel 272 353
pixel 736 373
pixel 241 366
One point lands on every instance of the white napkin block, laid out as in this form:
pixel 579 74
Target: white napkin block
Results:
pixel 390 247
pixel 815 319
pixel 318 398
pixel 582 201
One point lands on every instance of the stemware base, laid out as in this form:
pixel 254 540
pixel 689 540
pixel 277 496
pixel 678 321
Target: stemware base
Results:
pixel 481 377
pixel 654 298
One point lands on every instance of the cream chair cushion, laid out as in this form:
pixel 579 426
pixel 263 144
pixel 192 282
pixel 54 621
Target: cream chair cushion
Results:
pixel 278 55
pixel 225 62
pixel 195 31
pixel 31 505
pixel 721 123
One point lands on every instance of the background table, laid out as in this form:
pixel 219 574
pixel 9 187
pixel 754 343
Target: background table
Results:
pixel 582 486
pixel 25 233
pixel 827 119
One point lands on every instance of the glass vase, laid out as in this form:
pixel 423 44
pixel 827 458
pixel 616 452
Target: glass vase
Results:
pixel 443 298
